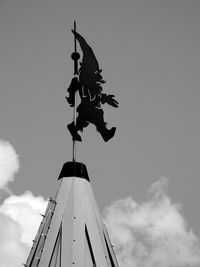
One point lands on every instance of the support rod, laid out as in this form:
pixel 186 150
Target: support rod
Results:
pixel 75 56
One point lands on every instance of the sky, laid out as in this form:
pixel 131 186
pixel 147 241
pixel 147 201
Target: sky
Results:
pixel 149 53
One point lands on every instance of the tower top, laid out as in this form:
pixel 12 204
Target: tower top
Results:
pixel 72 233
pixel 76 169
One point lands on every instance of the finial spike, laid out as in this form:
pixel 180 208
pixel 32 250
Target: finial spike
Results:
pixel 75 36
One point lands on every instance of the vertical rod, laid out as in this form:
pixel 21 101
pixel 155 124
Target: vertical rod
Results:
pixel 75 96
pixel 74 36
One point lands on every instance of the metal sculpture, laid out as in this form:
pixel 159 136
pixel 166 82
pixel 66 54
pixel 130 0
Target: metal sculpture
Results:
pixel 88 82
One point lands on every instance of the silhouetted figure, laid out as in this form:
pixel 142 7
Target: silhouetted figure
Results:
pixel 90 91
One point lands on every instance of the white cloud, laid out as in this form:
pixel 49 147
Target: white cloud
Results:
pixel 25 210
pixel 19 215
pixel 152 233
pixel 149 234
pixel 12 251
pixel 19 221
pixel 9 163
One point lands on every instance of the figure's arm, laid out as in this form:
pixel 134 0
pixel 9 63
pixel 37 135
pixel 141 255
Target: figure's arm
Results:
pixel 74 85
pixel 109 99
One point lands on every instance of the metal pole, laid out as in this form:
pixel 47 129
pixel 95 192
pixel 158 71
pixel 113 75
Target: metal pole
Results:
pixel 75 98
pixel 75 57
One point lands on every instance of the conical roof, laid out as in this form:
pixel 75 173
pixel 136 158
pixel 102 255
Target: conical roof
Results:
pixel 72 232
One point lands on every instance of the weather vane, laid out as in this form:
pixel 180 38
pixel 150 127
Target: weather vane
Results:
pixel 88 82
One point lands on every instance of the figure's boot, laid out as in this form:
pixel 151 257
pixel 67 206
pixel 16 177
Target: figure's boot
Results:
pixel 107 134
pixel 73 131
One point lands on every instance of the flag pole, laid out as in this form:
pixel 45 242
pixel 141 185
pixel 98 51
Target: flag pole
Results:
pixel 75 56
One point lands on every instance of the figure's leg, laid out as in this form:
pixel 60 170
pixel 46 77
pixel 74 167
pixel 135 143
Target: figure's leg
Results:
pixel 80 124
pixel 106 134
pixel 98 120
pixel 73 131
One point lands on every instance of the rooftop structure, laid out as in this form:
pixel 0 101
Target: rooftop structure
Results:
pixel 72 233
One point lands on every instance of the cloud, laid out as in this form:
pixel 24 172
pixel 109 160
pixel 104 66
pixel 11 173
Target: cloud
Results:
pixel 9 163
pixel 19 221
pixel 12 251
pixel 152 233
pixel 149 234
pixel 25 210
pixel 19 215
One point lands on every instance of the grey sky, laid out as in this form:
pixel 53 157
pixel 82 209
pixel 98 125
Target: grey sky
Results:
pixel 149 52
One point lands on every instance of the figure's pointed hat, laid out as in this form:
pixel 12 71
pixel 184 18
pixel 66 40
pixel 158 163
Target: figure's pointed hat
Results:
pixel 89 60
pixel 72 232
